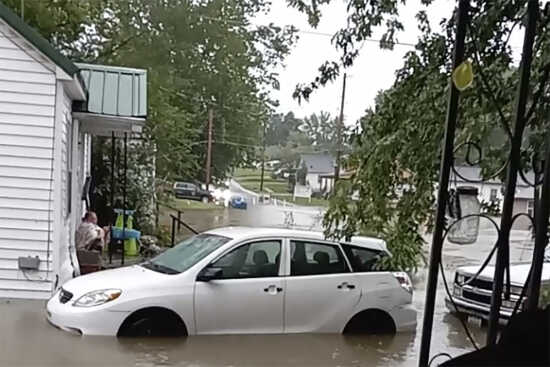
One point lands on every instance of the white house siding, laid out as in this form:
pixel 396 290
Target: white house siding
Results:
pixel 66 210
pixel 27 110
pixel 312 179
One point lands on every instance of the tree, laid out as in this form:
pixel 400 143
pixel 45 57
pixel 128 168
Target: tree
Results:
pixel 199 55
pixel 322 131
pixel 396 152
pixel 280 127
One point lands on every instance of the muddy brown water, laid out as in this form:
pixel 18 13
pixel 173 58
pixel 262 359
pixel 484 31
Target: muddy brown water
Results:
pixel 28 340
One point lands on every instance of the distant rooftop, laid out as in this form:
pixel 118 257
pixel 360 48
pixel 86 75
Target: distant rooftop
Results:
pixel 319 162
pixel 473 173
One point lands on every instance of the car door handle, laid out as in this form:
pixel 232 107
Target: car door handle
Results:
pixel 345 285
pixel 273 289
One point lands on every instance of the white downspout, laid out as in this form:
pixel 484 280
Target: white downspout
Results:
pixel 57 210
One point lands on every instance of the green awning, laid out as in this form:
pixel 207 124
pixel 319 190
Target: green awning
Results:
pixel 114 91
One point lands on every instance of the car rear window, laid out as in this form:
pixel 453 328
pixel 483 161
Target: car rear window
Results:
pixel 362 259
pixel 309 258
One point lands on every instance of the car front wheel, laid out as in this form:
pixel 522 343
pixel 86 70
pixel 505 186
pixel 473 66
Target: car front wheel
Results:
pixel 204 199
pixel 152 322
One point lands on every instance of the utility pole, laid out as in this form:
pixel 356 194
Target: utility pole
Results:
pixel 339 126
pixel 263 159
pixel 209 148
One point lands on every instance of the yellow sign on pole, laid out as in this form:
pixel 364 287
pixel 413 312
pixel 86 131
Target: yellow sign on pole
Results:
pixel 463 75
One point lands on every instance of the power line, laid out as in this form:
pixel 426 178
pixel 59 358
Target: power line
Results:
pixel 315 33
pixel 408 44
pixel 324 34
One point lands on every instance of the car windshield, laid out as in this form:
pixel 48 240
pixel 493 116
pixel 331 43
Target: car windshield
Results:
pixel 186 254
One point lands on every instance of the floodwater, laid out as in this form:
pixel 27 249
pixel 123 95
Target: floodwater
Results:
pixel 28 340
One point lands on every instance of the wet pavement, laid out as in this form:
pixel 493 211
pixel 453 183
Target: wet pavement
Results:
pixel 28 340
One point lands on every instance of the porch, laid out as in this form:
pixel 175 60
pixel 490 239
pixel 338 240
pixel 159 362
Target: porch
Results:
pixel 115 110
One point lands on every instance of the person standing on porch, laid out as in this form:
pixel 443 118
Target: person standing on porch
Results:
pixel 89 236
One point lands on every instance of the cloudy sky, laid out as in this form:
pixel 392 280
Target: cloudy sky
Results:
pixel 374 70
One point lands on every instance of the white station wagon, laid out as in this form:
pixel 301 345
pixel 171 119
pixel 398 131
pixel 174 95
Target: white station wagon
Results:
pixel 240 280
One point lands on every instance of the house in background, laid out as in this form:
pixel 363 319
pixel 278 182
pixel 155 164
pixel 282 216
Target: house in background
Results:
pixel 319 171
pixel 491 191
pixel 50 109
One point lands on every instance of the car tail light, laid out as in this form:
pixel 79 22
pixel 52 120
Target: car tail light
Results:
pixel 404 281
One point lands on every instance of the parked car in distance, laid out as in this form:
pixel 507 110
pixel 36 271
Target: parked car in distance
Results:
pixel 191 191
pixel 473 296
pixel 239 280
pixel 238 202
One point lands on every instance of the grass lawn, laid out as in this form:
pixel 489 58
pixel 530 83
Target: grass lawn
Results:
pixel 303 201
pixel 183 204
pixel 250 179
pixel 165 221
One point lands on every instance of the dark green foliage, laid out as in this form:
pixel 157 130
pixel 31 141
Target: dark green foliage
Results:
pixel 199 55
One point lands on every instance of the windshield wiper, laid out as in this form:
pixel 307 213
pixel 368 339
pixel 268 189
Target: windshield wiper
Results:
pixel 160 268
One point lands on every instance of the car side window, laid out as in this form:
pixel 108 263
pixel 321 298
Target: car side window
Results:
pixel 362 259
pixel 310 258
pixel 254 260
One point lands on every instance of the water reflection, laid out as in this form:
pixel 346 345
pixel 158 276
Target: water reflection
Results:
pixel 456 337
pixel 271 350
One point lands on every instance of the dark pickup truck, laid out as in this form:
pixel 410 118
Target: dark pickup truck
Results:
pixel 191 191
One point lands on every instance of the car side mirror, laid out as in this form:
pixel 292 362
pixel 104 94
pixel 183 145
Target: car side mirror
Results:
pixel 209 273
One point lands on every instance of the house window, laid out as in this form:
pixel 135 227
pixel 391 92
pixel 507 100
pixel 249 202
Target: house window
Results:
pixel 493 195
pixel 531 208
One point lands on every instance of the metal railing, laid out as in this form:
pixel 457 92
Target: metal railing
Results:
pixel 177 222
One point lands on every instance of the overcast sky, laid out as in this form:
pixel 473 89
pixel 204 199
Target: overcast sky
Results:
pixel 374 70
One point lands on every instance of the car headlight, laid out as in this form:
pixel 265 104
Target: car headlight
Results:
pixel 515 290
pixel 97 298
pixel 457 291
pixel 508 304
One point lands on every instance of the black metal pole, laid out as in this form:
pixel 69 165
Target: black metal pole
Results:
pixel 173 236
pixel 179 220
pixel 124 193
pixel 536 198
pixel 503 252
pixel 541 236
pixel 113 153
pixel 442 196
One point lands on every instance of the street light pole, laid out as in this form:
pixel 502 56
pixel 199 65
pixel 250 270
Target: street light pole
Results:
pixel 263 158
pixel 209 147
